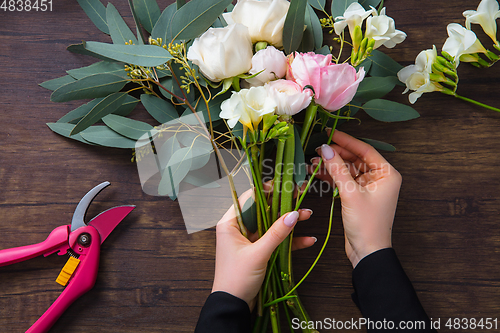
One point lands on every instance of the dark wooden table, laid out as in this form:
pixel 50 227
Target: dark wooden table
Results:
pixel 154 277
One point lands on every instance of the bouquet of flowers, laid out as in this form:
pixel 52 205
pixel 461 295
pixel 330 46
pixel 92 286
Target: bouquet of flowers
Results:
pixel 255 78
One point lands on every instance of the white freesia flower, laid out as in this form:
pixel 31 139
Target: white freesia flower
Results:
pixel 247 106
pixel 486 15
pixel 382 29
pixel 461 41
pixel 354 16
pixel 216 50
pixel 265 19
pixel 416 77
pixel 273 63
pixel 289 97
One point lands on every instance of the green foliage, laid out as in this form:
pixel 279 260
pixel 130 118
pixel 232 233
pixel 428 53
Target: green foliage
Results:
pixel 389 111
pixel 96 11
pixel 92 86
pixel 118 29
pixel 57 83
pixel 383 65
pixel 367 3
pixel 294 25
pixel 318 4
pixel 127 127
pixel 375 87
pixel 159 109
pixel 104 136
pixel 100 67
pixel 140 55
pixel 162 27
pixel 195 17
pixel 339 6
pixel 148 13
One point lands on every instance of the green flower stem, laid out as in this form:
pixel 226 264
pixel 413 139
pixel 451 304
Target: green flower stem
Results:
pixel 287 189
pixel 476 103
pixel 308 120
pixel 277 180
pixel 289 294
pixel 301 198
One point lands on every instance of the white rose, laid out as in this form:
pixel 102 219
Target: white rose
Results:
pixel 247 106
pixel 416 77
pixel 382 29
pixel 273 63
pixel 461 41
pixel 354 16
pixel 288 96
pixel 486 15
pixel 265 19
pixel 222 52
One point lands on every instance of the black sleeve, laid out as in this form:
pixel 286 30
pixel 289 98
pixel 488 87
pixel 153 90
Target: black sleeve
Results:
pixel 383 292
pixel 224 312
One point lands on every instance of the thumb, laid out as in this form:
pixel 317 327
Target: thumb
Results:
pixel 278 232
pixel 337 168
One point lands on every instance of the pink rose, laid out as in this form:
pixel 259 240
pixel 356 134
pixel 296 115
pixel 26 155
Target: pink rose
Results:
pixel 334 85
pixel 289 97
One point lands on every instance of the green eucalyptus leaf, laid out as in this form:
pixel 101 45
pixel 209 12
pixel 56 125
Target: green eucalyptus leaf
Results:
pixel 141 55
pixel 177 168
pixel 367 3
pixel 375 87
pixel 200 158
pixel 318 4
pixel 97 85
pixel 147 12
pixel 80 49
pixel 193 139
pixel 379 144
pixel 74 116
pixel 57 83
pixel 384 110
pixel 180 3
pixel 65 129
pixel 178 72
pixel 104 136
pixel 162 26
pixel 300 171
pixel 316 27
pixel 96 11
pixel 325 50
pixel 294 25
pixel 118 29
pixel 366 64
pixel 339 6
pixel 307 43
pixel 100 67
pixel 127 106
pixel 383 65
pixel 108 105
pixel 130 128
pixel 195 17
pixel 159 109
pixel 214 106
pixel 167 149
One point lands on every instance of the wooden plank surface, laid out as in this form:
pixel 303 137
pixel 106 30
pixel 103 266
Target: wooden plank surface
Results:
pixel 154 277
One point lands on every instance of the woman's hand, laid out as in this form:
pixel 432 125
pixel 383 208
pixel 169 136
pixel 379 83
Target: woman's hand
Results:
pixel 240 264
pixel 368 187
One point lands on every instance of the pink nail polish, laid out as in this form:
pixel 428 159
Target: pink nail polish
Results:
pixel 327 152
pixel 291 219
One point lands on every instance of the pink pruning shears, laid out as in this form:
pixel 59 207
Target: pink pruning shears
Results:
pixel 82 241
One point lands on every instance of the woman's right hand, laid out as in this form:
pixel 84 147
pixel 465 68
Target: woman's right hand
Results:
pixel 368 188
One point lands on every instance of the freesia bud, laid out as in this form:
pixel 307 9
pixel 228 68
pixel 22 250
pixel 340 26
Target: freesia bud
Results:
pixel 357 37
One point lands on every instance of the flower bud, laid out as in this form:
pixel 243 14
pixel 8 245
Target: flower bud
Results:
pixel 357 37
pixel 260 46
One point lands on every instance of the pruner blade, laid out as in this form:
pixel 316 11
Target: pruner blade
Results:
pixel 84 204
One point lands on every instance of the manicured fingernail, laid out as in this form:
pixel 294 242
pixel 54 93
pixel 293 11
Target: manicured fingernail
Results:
pixel 314 160
pixel 315 239
pixel 308 210
pixel 291 219
pixel 327 152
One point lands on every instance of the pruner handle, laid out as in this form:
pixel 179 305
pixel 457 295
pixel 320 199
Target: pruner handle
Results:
pixel 56 241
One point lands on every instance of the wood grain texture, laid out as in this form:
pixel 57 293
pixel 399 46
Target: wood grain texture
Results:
pixel 154 277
